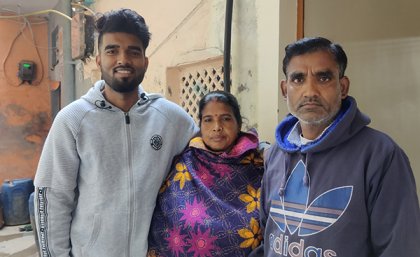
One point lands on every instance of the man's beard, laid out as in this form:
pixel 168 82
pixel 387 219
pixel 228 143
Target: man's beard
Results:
pixel 319 120
pixel 123 85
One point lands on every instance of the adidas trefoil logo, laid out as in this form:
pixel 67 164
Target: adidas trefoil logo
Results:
pixel 292 212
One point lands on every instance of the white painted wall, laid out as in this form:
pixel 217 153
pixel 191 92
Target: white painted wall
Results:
pixel 163 18
pixel 381 38
pixel 269 27
pixel 192 30
pixel 382 41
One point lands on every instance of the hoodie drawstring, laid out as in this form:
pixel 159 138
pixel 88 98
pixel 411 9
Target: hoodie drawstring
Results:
pixel 284 178
pixel 305 178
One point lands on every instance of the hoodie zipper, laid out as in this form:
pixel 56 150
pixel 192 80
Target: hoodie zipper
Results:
pixel 130 183
pixel 127 118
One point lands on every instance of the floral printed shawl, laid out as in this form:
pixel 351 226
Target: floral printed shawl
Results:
pixel 209 204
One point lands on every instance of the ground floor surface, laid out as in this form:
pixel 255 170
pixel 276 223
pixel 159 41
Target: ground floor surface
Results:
pixel 16 243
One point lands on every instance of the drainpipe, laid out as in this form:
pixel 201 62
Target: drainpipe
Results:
pixel 228 34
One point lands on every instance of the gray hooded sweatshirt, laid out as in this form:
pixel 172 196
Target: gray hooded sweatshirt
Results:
pixel 100 172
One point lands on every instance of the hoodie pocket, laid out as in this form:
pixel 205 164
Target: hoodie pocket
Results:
pixel 94 234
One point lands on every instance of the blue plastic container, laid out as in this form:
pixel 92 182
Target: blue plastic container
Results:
pixel 15 197
pixel 31 206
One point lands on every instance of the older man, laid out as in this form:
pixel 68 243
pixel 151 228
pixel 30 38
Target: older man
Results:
pixel 333 186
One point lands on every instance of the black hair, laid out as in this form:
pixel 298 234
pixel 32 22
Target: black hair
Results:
pixel 223 97
pixel 123 20
pixel 310 45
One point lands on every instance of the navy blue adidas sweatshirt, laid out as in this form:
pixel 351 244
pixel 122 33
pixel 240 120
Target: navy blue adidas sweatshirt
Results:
pixel 350 193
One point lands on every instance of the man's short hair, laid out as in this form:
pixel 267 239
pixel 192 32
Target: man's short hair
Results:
pixel 310 45
pixel 123 20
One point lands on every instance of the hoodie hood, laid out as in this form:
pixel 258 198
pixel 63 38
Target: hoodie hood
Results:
pixel 348 122
pixel 95 96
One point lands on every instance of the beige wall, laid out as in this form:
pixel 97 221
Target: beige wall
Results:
pixel 269 28
pixel 195 32
pixel 382 41
pixel 381 38
pixel 165 19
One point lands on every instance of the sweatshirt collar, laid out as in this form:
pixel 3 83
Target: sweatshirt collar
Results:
pixel 295 137
pixel 338 131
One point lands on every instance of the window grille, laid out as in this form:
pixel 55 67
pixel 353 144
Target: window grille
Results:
pixel 196 80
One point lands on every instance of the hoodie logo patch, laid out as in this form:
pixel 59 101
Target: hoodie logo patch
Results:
pixel 291 212
pixel 156 142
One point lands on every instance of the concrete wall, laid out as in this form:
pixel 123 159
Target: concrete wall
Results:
pixel 164 19
pixel 382 41
pixel 276 28
pixel 195 32
pixel 24 109
pixel 63 71
pixel 381 38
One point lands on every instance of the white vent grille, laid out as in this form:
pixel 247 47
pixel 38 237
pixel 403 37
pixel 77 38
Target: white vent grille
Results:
pixel 188 83
pixel 198 83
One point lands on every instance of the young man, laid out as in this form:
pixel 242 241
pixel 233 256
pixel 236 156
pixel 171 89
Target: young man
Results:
pixel 107 153
pixel 332 185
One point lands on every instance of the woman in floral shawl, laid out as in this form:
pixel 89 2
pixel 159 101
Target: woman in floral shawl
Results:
pixel 209 204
